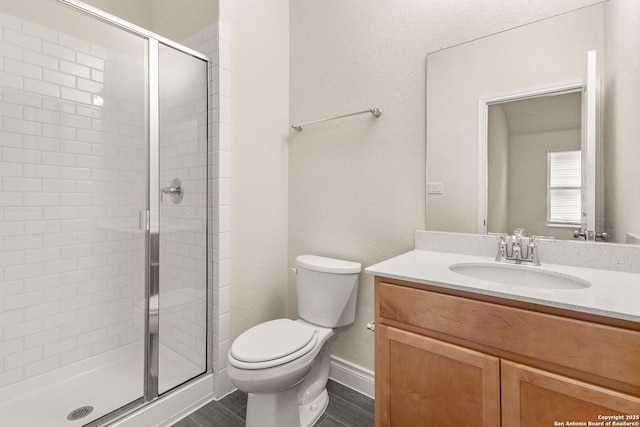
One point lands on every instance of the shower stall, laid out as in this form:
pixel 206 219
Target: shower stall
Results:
pixel 104 169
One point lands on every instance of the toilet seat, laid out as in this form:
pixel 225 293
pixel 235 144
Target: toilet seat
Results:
pixel 271 344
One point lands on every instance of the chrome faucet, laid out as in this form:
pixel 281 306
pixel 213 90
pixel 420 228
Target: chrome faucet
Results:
pixel 510 248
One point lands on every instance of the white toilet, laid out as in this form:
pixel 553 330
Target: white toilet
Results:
pixel 283 364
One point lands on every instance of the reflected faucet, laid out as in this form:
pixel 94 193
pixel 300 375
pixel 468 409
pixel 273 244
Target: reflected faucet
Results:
pixel 511 250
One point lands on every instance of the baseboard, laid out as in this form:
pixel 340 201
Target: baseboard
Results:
pixel 355 377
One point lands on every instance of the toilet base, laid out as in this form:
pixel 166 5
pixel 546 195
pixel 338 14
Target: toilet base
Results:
pixel 273 410
pixel 311 412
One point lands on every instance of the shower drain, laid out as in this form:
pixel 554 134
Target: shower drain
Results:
pixel 76 414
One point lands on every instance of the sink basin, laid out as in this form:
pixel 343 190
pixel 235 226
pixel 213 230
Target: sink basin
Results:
pixel 529 276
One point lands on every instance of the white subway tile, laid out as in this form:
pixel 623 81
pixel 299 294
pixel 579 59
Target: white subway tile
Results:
pixel 9 198
pixel 22 329
pixel 41 87
pixel 41 338
pixel 91 337
pixel 11 376
pixel 32 256
pixel 21 126
pixel 11 229
pixel 22 242
pixel 57 51
pixel 97 76
pixel 76 355
pixel 92 261
pixel 42 366
pixel 58 105
pixel 25 213
pixel 39 143
pixel 41 116
pixel 41 199
pixel 15 111
pixel 11 288
pixel 59 185
pixel 21 68
pixel 41 171
pixel 42 60
pixel 75 121
pixel 75 277
pixel 58 347
pixel 22 40
pixel 60 293
pixel 22 358
pixel 75 173
pixel 104 345
pixel 59 212
pixel 8 80
pixel 90 61
pixel 74 95
pixel 58 159
pixel 41 283
pixel 11 346
pixel 22 300
pixel 19 155
pixel 10 51
pixel 42 310
pixel 59 320
pixel 62 266
pixel 90 136
pixel 42 227
pixel 80 326
pixel 75 147
pixel 22 98
pixel 74 43
pixel 21 184
pixel 75 199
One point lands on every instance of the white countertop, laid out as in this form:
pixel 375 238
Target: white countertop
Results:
pixel 612 294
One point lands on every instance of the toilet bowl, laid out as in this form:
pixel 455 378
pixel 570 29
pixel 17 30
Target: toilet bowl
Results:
pixel 283 365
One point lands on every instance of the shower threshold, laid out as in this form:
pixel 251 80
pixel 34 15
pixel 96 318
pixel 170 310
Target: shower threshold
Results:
pixel 105 382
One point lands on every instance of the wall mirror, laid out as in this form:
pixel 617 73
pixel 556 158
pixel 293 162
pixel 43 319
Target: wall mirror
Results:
pixel 507 121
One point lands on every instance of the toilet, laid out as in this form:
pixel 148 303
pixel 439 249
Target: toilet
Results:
pixel 283 364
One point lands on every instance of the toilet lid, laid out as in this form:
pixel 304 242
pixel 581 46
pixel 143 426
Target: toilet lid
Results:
pixel 276 341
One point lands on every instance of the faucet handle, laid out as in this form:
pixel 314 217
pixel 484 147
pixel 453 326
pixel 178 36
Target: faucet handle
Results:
pixel 519 232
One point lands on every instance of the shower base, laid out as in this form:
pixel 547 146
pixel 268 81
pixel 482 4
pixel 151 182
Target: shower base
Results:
pixel 105 382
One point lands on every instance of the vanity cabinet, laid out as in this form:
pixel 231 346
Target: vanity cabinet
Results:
pixel 451 358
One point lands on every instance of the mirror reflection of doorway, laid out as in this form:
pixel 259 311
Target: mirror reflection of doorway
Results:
pixel 523 189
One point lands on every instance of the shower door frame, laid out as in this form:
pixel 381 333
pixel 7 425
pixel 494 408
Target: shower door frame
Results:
pixel 150 219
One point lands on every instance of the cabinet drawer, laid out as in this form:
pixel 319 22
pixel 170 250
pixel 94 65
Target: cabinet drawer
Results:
pixel 604 351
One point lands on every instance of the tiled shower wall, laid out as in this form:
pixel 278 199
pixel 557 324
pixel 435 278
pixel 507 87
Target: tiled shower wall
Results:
pixel 72 156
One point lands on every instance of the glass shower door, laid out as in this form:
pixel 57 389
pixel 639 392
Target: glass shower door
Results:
pixel 183 213
pixel 73 174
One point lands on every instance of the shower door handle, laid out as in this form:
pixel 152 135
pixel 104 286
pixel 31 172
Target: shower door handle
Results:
pixel 143 220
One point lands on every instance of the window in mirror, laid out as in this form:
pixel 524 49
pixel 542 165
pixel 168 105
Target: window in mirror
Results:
pixel 564 187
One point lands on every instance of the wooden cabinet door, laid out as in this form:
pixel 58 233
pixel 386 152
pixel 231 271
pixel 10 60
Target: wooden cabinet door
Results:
pixel 423 382
pixel 535 398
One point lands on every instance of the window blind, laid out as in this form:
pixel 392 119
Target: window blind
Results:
pixel 564 187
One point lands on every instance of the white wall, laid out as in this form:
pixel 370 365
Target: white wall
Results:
pixel 357 186
pixel 621 148
pixel 528 180
pixel 259 39
pixel 498 170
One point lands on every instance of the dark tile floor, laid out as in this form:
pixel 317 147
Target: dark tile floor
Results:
pixel 347 408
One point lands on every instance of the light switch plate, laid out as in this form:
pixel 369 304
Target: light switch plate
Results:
pixel 434 188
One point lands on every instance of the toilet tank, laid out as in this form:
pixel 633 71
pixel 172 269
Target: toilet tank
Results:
pixel 327 290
